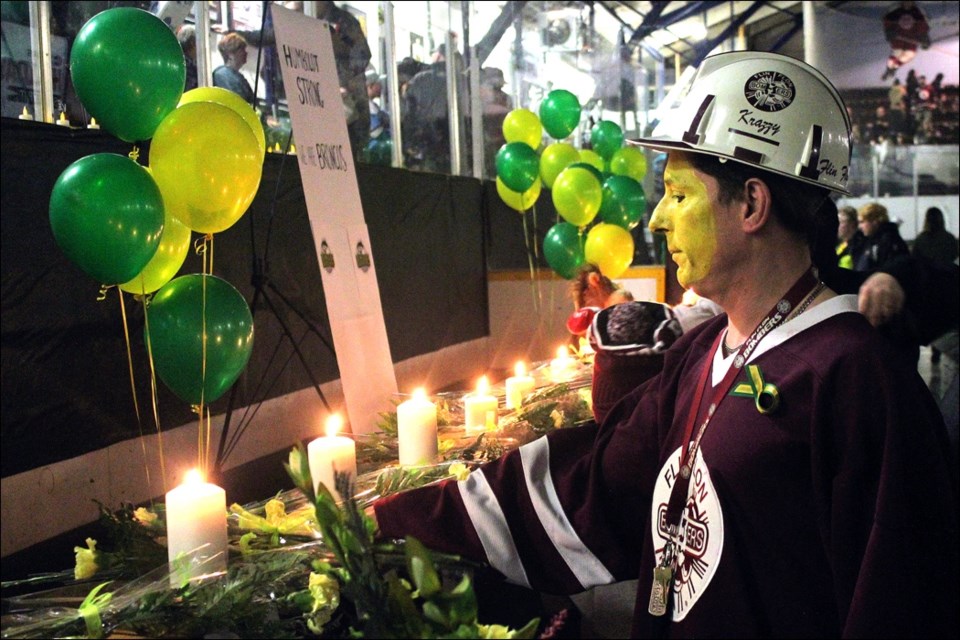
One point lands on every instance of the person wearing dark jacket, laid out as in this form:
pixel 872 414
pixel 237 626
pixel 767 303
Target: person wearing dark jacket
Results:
pixel 883 241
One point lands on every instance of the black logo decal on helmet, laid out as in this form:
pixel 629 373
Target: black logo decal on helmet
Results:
pixel 769 91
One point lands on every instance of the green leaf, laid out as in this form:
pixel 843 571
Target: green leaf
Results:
pixel 421 569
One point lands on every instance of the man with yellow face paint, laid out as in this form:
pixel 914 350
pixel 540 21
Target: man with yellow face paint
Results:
pixel 782 476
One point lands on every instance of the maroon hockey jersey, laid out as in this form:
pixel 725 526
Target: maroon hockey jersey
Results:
pixel 834 515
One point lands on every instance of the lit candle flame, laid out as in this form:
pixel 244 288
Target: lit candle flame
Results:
pixel 520 369
pixel 483 387
pixel 334 422
pixel 193 477
pixel 25 112
pixel 93 122
pixel 63 117
pixel 420 393
pixel 562 352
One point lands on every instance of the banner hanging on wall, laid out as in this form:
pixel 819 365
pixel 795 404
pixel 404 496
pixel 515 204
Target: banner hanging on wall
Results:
pixel 344 252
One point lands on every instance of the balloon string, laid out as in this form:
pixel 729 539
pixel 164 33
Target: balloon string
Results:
pixel 536 253
pixel 134 153
pixel 153 389
pixel 133 383
pixel 203 447
pixel 533 277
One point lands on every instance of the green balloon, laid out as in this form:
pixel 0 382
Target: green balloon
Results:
pixel 106 213
pixel 605 138
pixel 555 158
pixel 518 165
pixel 623 202
pixel 560 113
pixel 563 249
pixel 577 195
pixel 592 169
pixel 378 151
pixel 181 313
pixel 128 70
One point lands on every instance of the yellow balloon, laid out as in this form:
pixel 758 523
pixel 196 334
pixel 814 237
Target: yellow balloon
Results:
pixel 519 201
pixel 630 162
pixel 207 164
pixel 170 255
pixel 523 125
pixel 554 159
pixel 232 101
pixel 592 158
pixel 610 247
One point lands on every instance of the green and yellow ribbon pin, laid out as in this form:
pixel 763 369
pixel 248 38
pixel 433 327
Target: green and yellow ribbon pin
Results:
pixel 766 395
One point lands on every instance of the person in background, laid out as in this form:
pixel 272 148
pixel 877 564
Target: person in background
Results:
pixel 187 36
pixel 849 238
pixel 939 246
pixel 380 147
pixel 935 243
pixel 779 476
pixel 426 114
pixel 882 241
pixel 379 117
pixel 233 49
pixel 496 105
pixel 352 54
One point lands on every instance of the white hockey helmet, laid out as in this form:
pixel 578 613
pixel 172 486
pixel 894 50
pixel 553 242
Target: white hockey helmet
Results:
pixel 762 109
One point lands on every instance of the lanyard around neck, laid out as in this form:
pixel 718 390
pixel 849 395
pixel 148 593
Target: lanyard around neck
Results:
pixel 688 452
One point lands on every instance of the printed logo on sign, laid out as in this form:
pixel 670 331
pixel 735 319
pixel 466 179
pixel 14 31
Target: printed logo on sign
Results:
pixel 363 259
pixel 769 91
pixel 700 541
pixel 326 257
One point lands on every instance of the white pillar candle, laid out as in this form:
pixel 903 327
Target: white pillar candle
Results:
pixel 196 521
pixel 480 408
pixel 417 430
pixel 332 452
pixel 518 386
pixel 562 366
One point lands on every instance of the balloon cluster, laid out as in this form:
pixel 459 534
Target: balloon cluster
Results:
pixel 128 225
pixel 599 186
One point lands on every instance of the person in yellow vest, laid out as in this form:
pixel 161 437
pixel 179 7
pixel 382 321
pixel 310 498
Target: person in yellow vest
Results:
pixel 849 237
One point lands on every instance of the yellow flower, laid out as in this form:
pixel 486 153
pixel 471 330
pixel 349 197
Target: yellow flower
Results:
pixel 557 418
pixel 459 471
pixel 145 517
pixel 326 598
pixel 86 560
pixel 276 511
pixel 495 631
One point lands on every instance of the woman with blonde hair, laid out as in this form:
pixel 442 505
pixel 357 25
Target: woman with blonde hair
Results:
pixel 883 241
pixel 233 49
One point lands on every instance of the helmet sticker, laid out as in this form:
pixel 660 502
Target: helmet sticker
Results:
pixel 769 91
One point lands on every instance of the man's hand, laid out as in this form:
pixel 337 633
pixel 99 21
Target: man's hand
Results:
pixel 881 298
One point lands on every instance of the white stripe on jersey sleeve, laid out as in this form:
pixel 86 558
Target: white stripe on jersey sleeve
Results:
pixel 536 470
pixel 491 526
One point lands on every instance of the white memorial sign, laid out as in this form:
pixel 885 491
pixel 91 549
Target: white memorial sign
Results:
pixel 346 257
